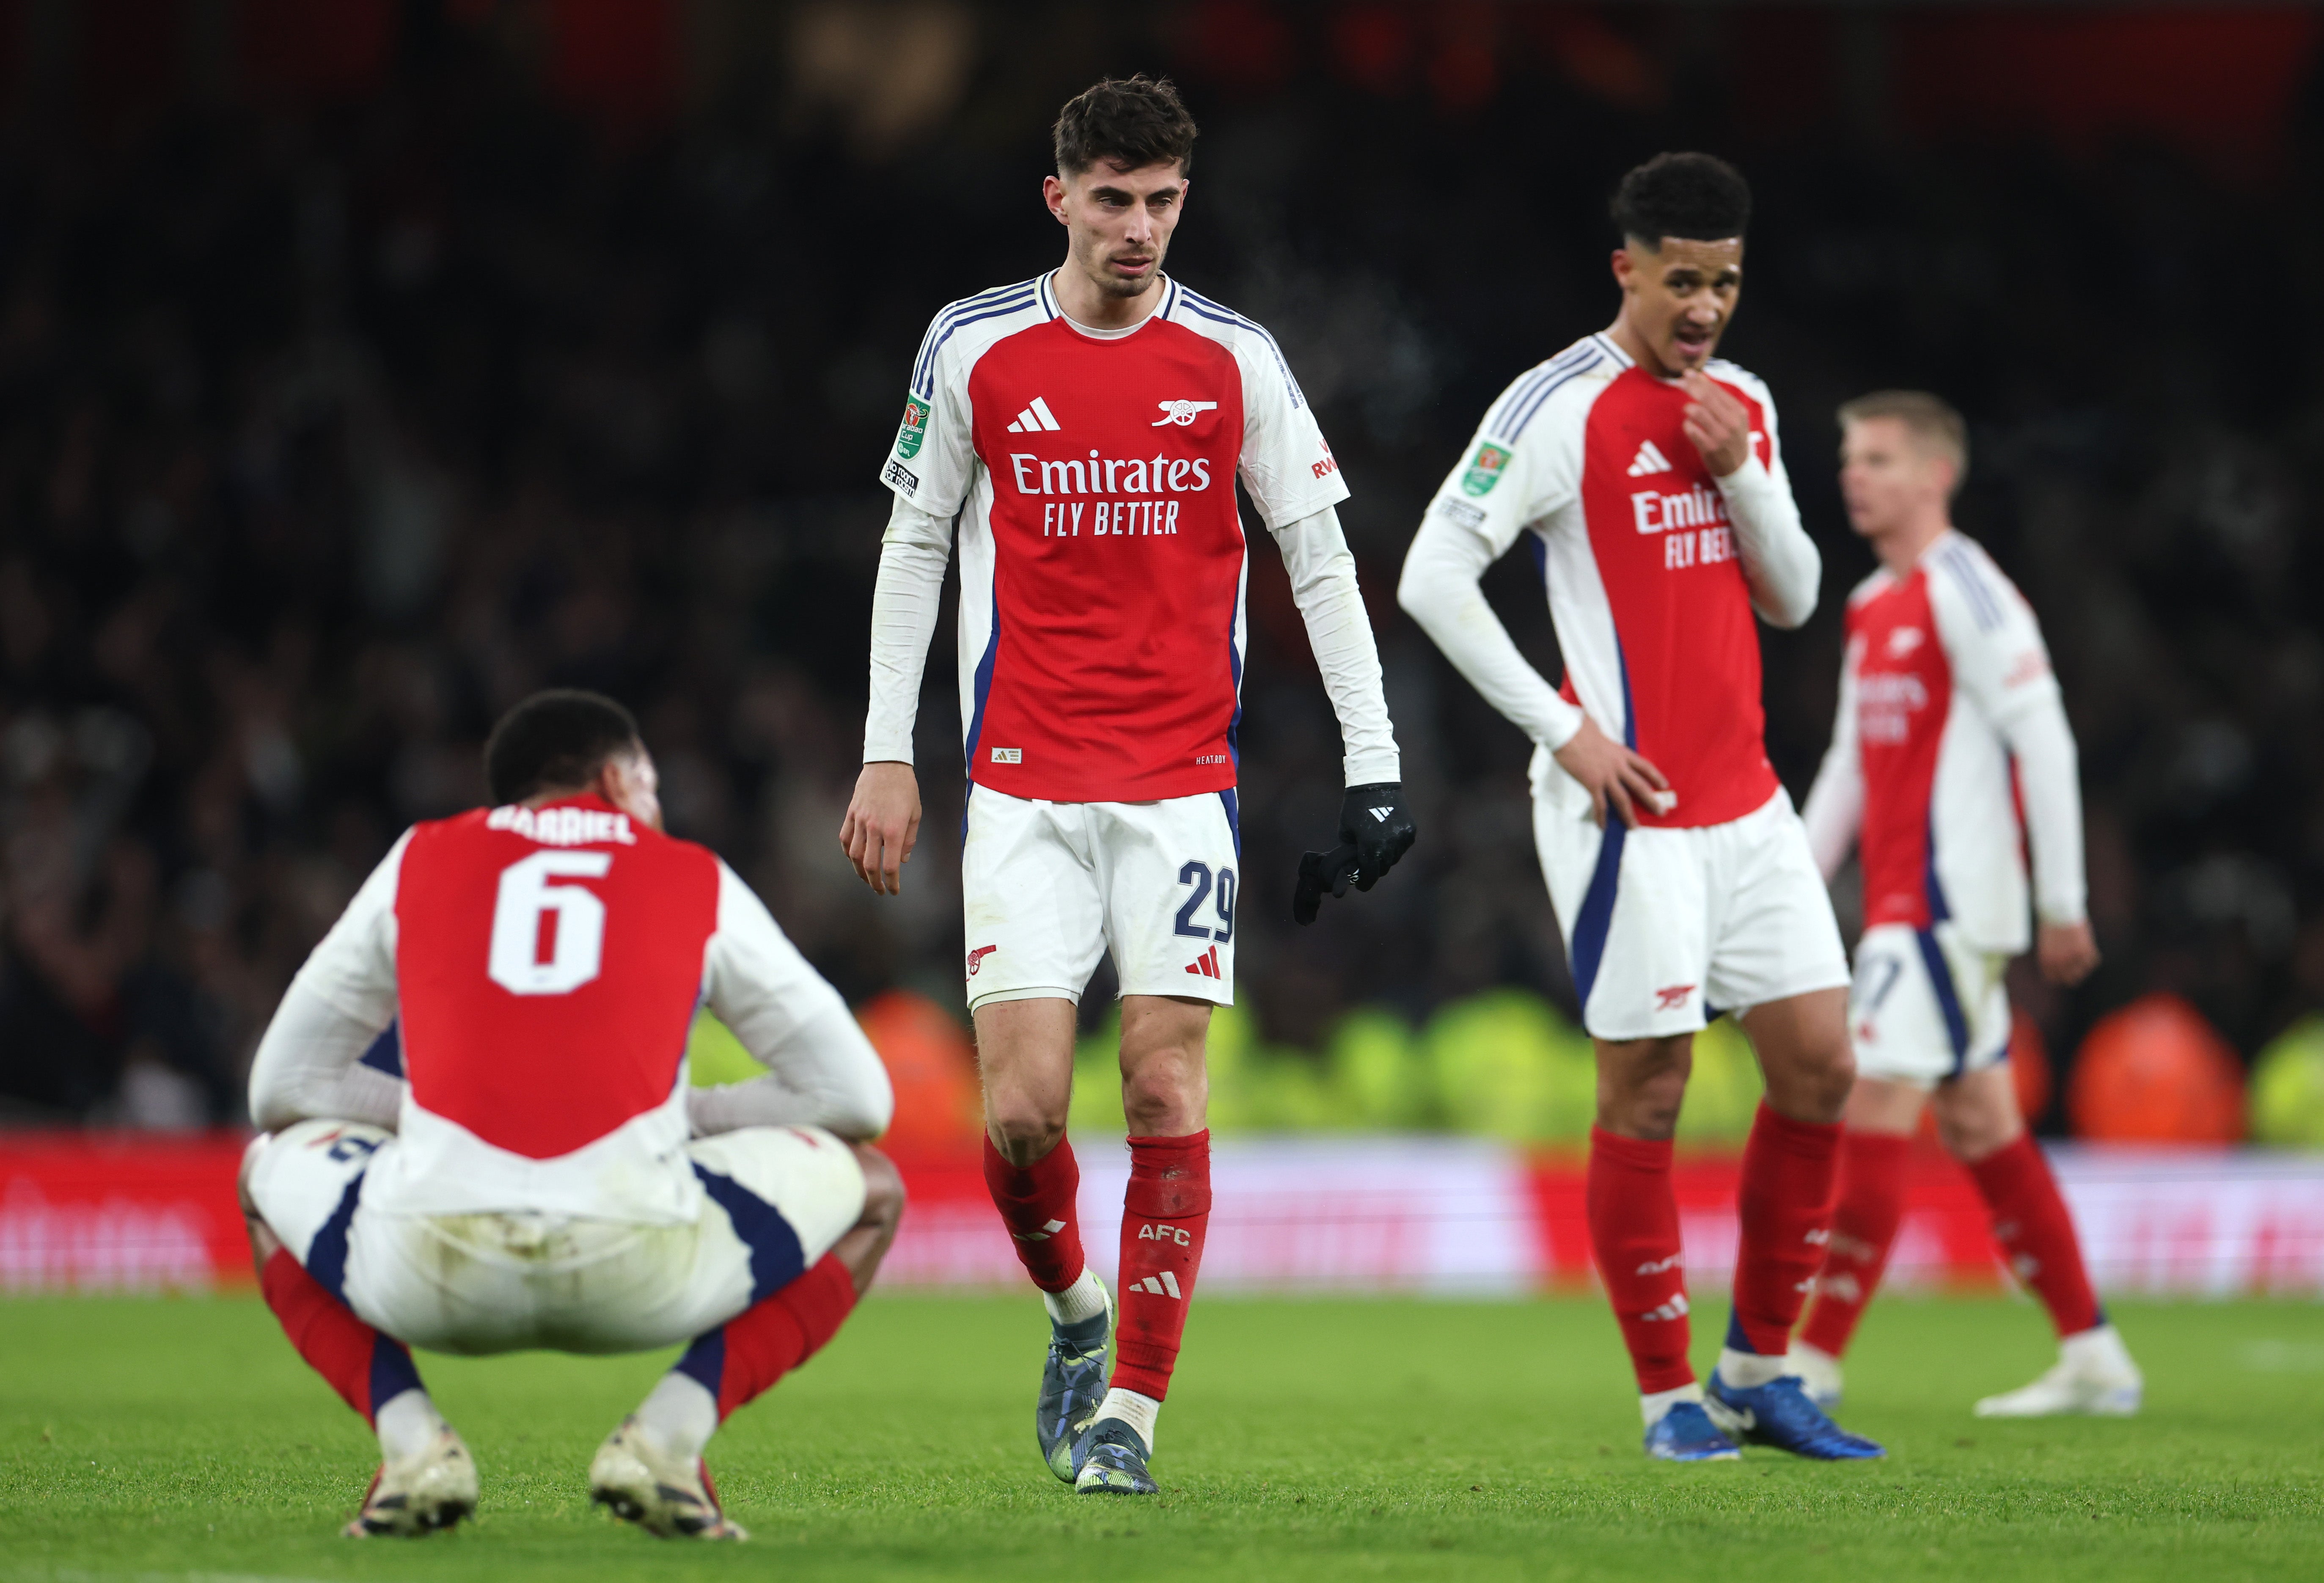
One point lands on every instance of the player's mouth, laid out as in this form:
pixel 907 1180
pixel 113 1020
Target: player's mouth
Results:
pixel 1694 341
pixel 1136 264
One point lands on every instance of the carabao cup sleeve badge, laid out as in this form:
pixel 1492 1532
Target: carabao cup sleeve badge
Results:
pixel 915 428
pixel 1485 470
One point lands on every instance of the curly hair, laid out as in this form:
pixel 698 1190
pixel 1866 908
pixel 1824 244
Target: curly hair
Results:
pixel 1698 197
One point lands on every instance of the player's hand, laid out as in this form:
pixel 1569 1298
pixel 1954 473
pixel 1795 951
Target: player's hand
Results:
pixel 1613 774
pixel 1374 821
pixel 882 825
pixel 1718 424
pixel 1331 871
pixel 2068 952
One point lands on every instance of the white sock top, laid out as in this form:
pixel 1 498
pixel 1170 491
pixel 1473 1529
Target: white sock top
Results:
pixel 1136 1411
pixel 1084 1300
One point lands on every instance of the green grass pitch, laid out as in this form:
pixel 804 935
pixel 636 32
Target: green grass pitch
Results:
pixel 1320 1438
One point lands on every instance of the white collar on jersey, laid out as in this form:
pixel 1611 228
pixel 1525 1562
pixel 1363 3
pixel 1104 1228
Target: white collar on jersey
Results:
pixel 1161 308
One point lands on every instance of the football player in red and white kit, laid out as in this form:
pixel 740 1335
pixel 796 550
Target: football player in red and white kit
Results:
pixel 1949 719
pixel 1088 428
pixel 541 1174
pixel 1645 477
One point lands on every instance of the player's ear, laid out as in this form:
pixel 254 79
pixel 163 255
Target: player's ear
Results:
pixel 1053 193
pixel 1623 267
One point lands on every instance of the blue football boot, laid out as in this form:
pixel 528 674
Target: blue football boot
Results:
pixel 1073 1384
pixel 1686 1434
pixel 1110 1457
pixel 1780 1414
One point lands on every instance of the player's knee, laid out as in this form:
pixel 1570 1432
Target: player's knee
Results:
pixel 249 1169
pixel 883 1187
pixel 1969 1134
pixel 1166 1098
pixel 1024 1129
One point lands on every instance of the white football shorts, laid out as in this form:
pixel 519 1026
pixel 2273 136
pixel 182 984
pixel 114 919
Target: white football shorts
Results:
pixel 1047 888
pixel 1927 1005
pixel 775 1200
pixel 1665 929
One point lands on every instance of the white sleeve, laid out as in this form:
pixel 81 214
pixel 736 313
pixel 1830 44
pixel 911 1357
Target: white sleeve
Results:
pixel 904 604
pixel 1323 583
pixel 822 1070
pixel 1834 814
pixel 933 460
pixel 308 1065
pixel 1286 466
pixel 1780 562
pixel 2001 664
pixel 1484 504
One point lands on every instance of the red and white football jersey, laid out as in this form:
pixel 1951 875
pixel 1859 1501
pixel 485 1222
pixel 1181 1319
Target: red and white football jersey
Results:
pixel 1941 664
pixel 1102 559
pixel 545 965
pixel 1585 455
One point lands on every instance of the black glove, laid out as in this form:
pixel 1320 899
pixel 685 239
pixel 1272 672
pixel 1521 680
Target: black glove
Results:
pixel 1319 872
pixel 1374 821
pixel 1375 830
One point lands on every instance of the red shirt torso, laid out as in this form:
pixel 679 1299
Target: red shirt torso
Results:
pixel 1118 558
pixel 1904 696
pixel 547 986
pixel 1681 611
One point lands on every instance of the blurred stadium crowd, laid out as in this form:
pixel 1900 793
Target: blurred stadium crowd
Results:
pixel 360 374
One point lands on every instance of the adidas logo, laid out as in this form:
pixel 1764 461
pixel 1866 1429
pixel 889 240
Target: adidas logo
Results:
pixel 1166 1284
pixel 1043 1235
pixel 1207 964
pixel 1382 813
pixel 1036 418
pixel 1675 1309
pixel 1648 460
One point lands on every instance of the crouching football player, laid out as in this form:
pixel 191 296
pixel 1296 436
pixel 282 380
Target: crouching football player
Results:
pixel 1948 718
pixel 543 1176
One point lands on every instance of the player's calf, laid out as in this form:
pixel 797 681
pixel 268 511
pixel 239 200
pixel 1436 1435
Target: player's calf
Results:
pixel 427 1480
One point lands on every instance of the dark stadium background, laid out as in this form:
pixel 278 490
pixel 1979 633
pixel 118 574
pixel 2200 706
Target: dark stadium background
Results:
pixel 364 366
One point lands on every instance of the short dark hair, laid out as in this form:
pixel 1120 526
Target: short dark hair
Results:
pixel 556 741
pixel 1131 122
pixel 1698 197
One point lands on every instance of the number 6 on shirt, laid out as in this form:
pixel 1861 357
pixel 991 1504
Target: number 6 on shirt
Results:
pixel 577 936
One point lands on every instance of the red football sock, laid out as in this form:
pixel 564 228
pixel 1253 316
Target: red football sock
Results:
pixel 1784 1204
pixel 1863 1229
pixel 366 1367
pixel 1037 1204
pixel 1164 1210
pixel 1634 1235
pixel 750 1352
pixel 2031 1223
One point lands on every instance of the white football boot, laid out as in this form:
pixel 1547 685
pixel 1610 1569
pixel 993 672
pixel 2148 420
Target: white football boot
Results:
pixel 412 1495
pixel 1819 1372
pixel 2093 1374
pixel 647 1486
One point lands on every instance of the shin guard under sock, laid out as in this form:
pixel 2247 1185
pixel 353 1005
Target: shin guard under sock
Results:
pixel 1164 1210
pixel 1633 1216
pixel 1864 1221
pixel 2031 1223
pixel 367 1367
pixel 1785 1204
pixel 1037 1204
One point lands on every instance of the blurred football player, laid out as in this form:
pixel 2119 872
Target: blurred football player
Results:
pixel 1087 427
pixel 542 1175
pixel 1949 720
pixel 1645 477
